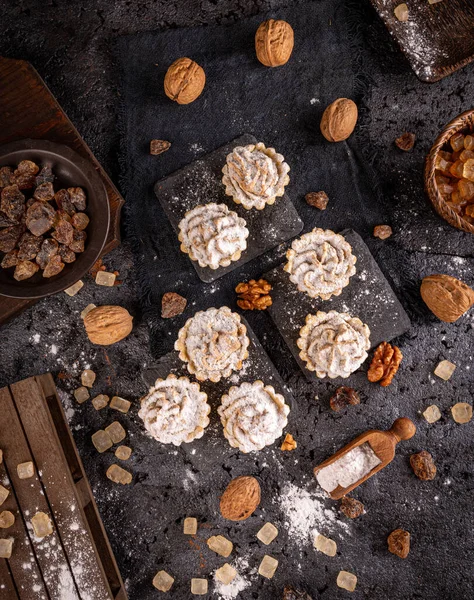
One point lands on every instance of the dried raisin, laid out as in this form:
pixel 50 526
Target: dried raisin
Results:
pixel 351 507
pixel 343 397
pixel 40 218
pixel 423 465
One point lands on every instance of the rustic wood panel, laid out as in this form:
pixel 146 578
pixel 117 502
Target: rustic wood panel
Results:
pixel 76 560
pixel 6 581
pixel 438 38
pixel 29 110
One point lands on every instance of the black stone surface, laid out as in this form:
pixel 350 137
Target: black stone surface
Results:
pixel 201 183
pixel 70 45
pixel 368 297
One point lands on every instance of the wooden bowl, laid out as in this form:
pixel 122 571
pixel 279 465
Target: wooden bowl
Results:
pixel 464 122
pixel 71 170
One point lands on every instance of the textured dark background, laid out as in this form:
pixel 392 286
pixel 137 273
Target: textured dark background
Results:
pixel 70 45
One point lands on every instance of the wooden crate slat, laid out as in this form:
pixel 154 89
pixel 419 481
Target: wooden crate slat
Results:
pixel 48 552
pixel 83 490
pixel 7 586
pixel 59 487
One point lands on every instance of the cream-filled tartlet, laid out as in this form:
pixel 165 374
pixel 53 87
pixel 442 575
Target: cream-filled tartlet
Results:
pixel 213 343
pixel 320 263
pixel 255 176
pixel 333 344
pixel 213 235
pixel 253 415
pixel 175 410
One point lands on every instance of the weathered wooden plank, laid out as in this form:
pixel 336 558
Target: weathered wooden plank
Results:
pixel 48 552
pixel 7 585
pixel 59 488
pixel 83 491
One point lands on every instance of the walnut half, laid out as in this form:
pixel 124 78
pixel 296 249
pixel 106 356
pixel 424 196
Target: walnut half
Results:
pixel 385 364
pixel 254 295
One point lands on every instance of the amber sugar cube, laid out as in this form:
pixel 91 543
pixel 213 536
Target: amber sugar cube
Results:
pixel 443 165
pixel 88 378
pixel 3 494
pixel 220 545
pixel 102 440
pixel 468 169
pixel 162 581
pixel 226 574
pixel 119 475
pixel 105 278
pixel 120 404
pixel 123 452
pixel 267 533
pixel 1 456
pixel 268 566
pixel 190 526
pixel 466 189
pixel 42 525
pixel 87 310
pixel 25 470
pixel 7 519
pixel 325 545
pixel 199 587
pixel 100 401
pixel 401 12
pixel 469 142
pixel 6 548
pixel 456 142
pixel 73 289
pixel 457 169
pixel 347 581
pixel 432 414
pixel 116 432
pixel 445 369
pixel 462 412
pixel 81 394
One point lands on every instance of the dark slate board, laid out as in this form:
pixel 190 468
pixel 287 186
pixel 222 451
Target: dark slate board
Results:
pixel 257 366
pixel 368 296
pixel 201 183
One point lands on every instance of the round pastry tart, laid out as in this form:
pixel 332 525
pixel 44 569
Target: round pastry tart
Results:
pixel 213 343
pixel 213 235
pixel 253 415
pixel 333 344
pixel 175 410
pixel 320 263
pixel 255 175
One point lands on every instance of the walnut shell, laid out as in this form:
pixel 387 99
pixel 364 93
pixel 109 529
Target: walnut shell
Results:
pixel 240 498
pixel 274 42
pixel 339 120
pixel 106 325
pixel 184 81
pixel 446 297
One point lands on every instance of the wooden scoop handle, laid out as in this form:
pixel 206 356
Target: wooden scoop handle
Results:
pixel 403 429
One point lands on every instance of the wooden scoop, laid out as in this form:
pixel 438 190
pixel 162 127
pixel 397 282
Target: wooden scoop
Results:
pixel 382 443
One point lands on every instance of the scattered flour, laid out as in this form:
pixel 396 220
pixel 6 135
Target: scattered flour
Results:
pixel 240 583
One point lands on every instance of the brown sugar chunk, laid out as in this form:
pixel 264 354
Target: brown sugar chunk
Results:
pixel 159 146
pixel 399 543
pixel 6 175
pixel 40 218
pixel 12 203
pixel 351 507
pixel 317 199
pixel 25 269
pixel 29 246
pixel 24 174
pixel 78 241
pixel 45 175
pixel 116 432
pixel 54 266
pixel 80 221
pixel 118 475
pixel 5 221
pixel 66 254
pixel 382 232
pixel 44 192
pixel 10 259
pixel 406 141
pixel 64 202
pixel 78 198
pixel 344 397
pixel 423 465
pixel 63 232
pixel 48 249
pixel 172 305
pixel 9 237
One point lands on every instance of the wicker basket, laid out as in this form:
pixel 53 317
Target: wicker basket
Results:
pixel 464 122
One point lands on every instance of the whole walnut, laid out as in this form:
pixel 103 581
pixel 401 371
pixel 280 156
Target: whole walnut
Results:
pixel 240 498
pixel 106 325
pixel 339 119
pixel 184 81
pixel 274 42
pixel 446 297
